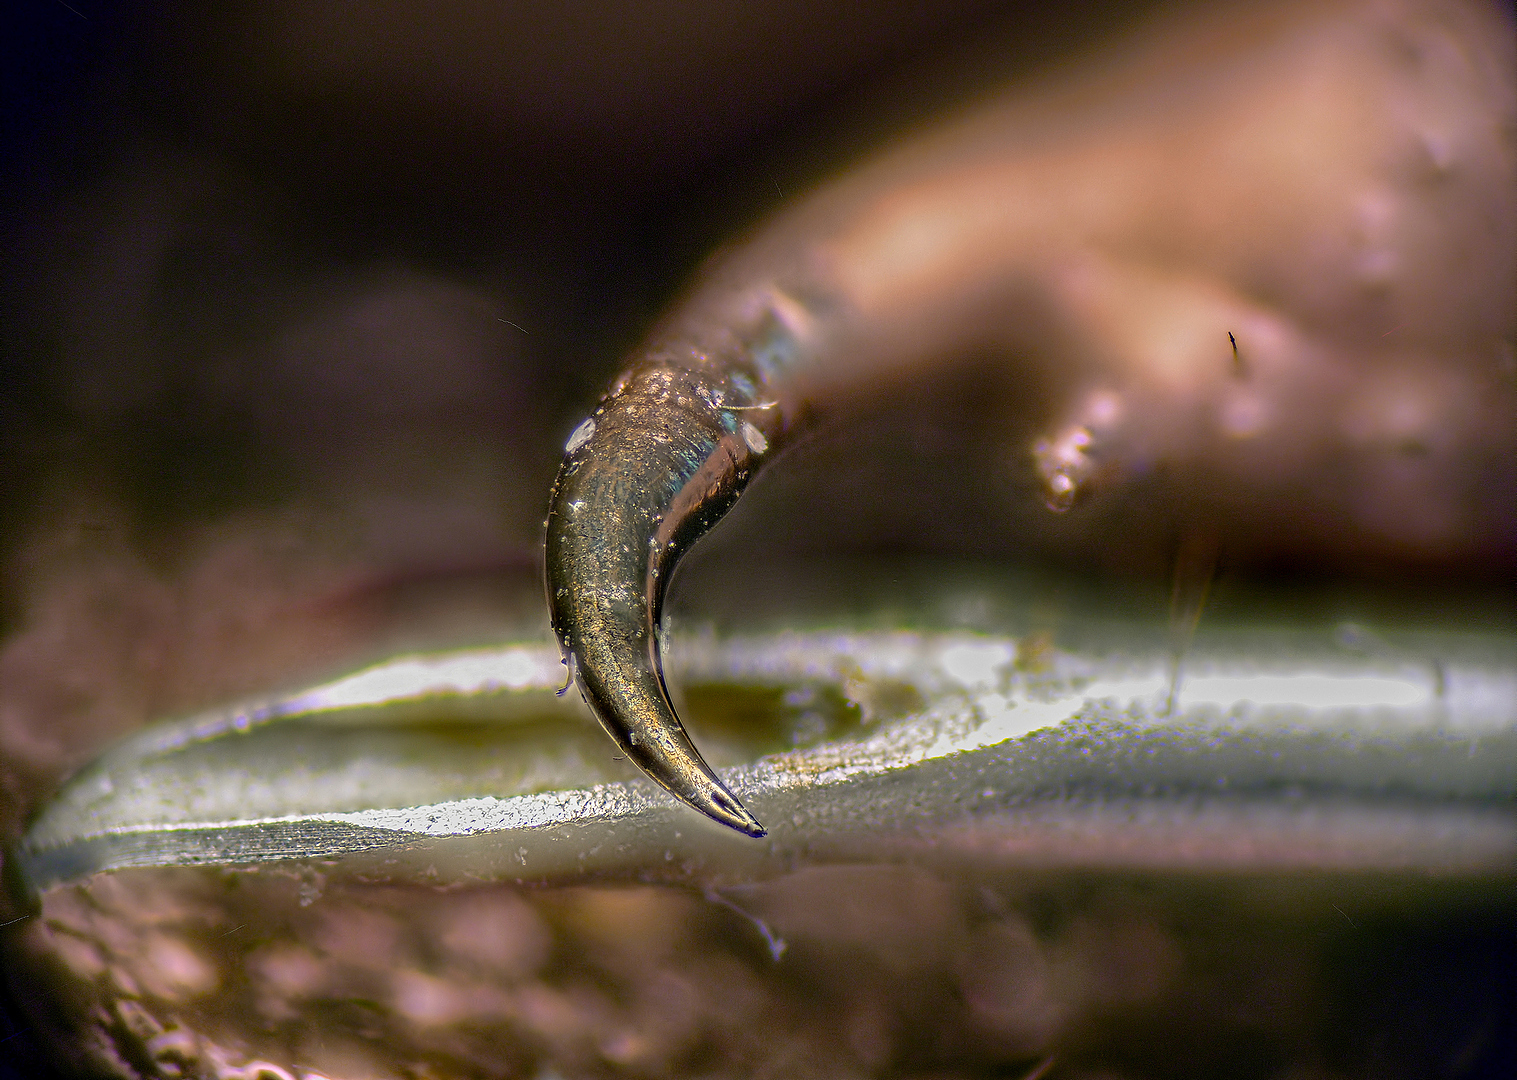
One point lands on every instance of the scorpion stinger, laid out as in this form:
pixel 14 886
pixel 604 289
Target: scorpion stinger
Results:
pixel 662 459
pixel 1361 424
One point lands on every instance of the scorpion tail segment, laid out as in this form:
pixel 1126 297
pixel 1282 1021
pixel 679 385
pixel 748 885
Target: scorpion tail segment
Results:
pixel 656 467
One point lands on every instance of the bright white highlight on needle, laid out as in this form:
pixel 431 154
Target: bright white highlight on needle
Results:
pixel 975 664
pixel 418 677
pixel 580 435
pixel 1308 691
pixel 754 438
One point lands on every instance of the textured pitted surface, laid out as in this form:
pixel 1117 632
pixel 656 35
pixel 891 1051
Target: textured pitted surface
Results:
pixel 953 962
pixel 850 743
pixel 986 854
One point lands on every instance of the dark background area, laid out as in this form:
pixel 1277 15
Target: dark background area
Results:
pixel 179 184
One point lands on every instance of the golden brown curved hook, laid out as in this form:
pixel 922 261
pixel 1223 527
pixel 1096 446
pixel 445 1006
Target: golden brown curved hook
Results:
pixel 1238 191
pixel 663 457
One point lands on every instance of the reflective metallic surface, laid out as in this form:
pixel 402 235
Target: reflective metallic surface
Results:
pixel 435 864
pixel 1139 269
pixel 650 471
pixel 1398 762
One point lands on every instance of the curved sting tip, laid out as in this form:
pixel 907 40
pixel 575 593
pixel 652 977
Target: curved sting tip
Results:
pixel 652 470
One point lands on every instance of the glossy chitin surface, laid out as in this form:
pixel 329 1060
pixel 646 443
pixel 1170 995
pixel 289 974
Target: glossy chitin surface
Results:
pixel 1276 286
pixel 656 465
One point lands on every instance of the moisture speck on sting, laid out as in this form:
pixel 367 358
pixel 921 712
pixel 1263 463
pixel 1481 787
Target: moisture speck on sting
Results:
pixel 580 436
pixel 754 438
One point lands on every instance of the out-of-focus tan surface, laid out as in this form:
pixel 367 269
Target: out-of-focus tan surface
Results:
pixel 893 970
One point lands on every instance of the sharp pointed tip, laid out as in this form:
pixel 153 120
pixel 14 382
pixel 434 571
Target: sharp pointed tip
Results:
pixel 721 805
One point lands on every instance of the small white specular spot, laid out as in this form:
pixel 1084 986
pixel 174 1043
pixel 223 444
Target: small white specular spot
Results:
pixel 754 438
pixel 976 664
pixel 581 435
